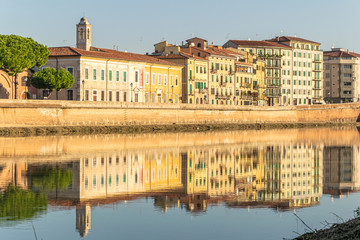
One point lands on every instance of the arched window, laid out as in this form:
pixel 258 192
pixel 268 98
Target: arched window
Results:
pixel 199 45
pixel 81 33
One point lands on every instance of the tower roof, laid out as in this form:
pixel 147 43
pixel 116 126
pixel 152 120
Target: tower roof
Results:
pixel 84 20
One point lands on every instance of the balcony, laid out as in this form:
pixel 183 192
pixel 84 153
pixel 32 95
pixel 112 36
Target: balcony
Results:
pixel 317 60
pixel 273 66
pixel 317 69
pixel 223 84
pixel 274 56
pixel 317 79
pixel 213 70
pixel 273 86
pixel 231 72
pixel 274 95
pixel 221 96
pixel 316 88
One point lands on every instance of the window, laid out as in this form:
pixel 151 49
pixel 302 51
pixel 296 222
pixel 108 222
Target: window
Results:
pixel 346 66
pixel 102 95
pixel 86 95
pixel 86 73
pixel 347 74
pixel 94 74
pixel 153 79
pixel 124 77
pixel 124 96
pixel 159 79
pixel 165 80
pixel 110 75
pixel 70 95
pixel 117 76
pixel 102 74
pixel 70 70
pixel 110 95
pixel 117 96
pixel 176 80
pixel 147 78
pixel 94 95
pixel 136 76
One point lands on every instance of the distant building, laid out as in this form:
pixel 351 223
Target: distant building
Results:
pixel 293 68
pixel 213 75
pixel 110 75
pixel 23 89
pixel 341 76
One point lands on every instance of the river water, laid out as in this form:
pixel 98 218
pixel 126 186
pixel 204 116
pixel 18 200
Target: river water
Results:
pixel 256 184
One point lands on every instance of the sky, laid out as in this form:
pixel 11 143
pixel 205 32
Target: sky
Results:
pixel 136 25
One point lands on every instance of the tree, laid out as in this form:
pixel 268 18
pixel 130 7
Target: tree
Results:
pixel 19 53
pixel 48 179
pixel 52 79
pixel 19 204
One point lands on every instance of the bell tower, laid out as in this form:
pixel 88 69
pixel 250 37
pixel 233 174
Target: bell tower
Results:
pixel 83 34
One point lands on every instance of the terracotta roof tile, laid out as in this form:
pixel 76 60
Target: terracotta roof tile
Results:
pixel 341 54
pixel 106 53
pixel 252 43
pixel 197 39
pixel 287 39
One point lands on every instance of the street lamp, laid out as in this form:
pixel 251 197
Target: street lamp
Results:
pixel 83 83
pixel 131 91
pixel 172 98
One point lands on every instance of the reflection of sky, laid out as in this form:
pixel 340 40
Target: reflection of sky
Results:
pixel 140 220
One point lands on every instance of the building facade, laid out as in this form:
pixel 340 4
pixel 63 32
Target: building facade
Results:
pixel 109 75
pixel 293 69
pixel 341 76
pixel 302 71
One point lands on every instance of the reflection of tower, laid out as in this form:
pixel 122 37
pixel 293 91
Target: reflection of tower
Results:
pixel 83 219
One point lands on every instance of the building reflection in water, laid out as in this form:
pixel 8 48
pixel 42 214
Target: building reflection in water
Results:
pixel 341 170
pixel 279 176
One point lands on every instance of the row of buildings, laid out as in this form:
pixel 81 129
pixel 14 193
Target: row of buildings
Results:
pixel 279 176
pixel 279 71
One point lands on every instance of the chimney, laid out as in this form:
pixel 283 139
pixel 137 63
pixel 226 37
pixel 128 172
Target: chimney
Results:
pixel 347 50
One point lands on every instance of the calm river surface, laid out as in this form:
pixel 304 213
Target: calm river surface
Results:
pixel 216 185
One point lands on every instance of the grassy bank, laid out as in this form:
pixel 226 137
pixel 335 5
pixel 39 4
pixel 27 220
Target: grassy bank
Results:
pixel 347 230
pixel 78 130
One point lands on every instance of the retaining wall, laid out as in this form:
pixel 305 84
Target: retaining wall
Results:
pixel 31 113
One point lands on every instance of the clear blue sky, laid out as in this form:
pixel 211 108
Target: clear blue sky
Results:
pixel 135 25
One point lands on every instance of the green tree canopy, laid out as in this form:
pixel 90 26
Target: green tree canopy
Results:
pixel 19 53
pixel 51 179
pixel 18 204
pixel 52 79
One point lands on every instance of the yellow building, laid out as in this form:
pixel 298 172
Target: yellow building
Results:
pixel 195 73
pixel 163 82
pixel 109 75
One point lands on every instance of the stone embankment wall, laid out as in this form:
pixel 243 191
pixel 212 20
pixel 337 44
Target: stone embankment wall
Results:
pixel 35 113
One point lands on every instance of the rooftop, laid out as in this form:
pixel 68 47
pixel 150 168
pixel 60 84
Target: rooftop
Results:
pixel 106 54
pixel 251 43
pixel 288 39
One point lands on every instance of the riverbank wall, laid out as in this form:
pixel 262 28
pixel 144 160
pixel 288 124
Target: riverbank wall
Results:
pixel 29 114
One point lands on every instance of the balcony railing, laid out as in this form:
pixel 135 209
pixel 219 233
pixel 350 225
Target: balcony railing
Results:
pixel 317 60
pixel 221 96
pixel 213 70
pixel 223 84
